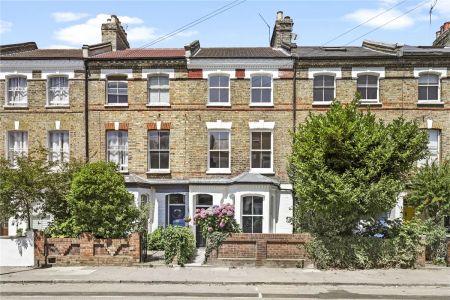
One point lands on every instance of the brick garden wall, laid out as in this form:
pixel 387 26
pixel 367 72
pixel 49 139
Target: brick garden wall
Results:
pixel 87 250
pixel 280 250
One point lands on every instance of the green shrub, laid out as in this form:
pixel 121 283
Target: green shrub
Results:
pixel 155 239
pixel 179 244
pixel 214 240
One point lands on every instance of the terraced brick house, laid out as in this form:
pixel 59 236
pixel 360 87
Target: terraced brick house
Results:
pixel 194 127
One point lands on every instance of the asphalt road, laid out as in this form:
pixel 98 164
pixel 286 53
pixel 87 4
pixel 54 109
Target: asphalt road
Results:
pixel 208 291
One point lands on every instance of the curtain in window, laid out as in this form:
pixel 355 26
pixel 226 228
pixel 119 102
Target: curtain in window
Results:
pixel 117 149
pixel 159 89
pixel 433 148
pixel 17 145
pixel 59 146
pixel 17 91
pixel 58 90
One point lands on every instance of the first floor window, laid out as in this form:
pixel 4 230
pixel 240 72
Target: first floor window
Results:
pixel 323 88
pixel 59 146
pixel 58 90
pixel 17 91
pixel 219 89
pixel 261 89
pixel 117 91
pixel 261 150
pixel 17 145
pixel 158 88
pixel 252 214
pixel 428 87
pixel 367 86
pixel 433 147
pixel 117 149
pixel 158 149
pixel 219 150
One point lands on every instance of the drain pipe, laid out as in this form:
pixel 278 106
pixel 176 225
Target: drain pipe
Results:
pixel 86 99
pixel 294 94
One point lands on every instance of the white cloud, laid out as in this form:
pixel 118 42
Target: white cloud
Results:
pixel 362 15
pixel 61 46
pixel 68 16
pixel 5 26
pixel 443 8
pixel 89 32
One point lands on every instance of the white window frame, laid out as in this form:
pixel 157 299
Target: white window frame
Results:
pixel 219 170
pixel 153 75
pixel 168 205
pixel 369 101
pixel 427 161
pixel 157 171
pixel 11 153
pixel 7 99
pixel 435 101
pixel 60 132
pixel 332 74
pixel 107 80
pixel 57 104
pixel 252 215
pixel 228 103
pixel 122 168
pixel 256 104
pixel 262 170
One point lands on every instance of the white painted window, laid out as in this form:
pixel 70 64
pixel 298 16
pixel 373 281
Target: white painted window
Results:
pixel 252 214
pixel 58 146
pixel 117 149
pixel 261 150
pixel 434 137
pixel 367 86
pixel 117 91
pixel 17 145
pixel 58 90
pixel 159 150
pixel 219 151
pixel 219 89
pixel 324 88
pixel 17 91
pixel 429 87
pixel 261 86
pixel 158 90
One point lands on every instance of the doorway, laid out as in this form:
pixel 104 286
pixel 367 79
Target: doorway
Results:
pixel 176 209
pixel 201 201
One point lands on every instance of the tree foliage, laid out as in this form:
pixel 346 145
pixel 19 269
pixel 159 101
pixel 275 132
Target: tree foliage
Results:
pixel 347 166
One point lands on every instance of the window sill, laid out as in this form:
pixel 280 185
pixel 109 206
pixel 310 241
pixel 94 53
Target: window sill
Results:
pixel 430 103
pixel 261 105
pixel 263 171
pixel 15 106
pixel 322 103
pixel 116 105
pixel 157 105
pixel 158 171
pixel 219 171
pixel 369 103
pixel 58 106
pixel 218 105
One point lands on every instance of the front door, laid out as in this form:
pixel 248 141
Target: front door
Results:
pixel 176 211
pixel 203 201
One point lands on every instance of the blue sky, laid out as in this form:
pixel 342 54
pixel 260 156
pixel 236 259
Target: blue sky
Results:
pixel 64 23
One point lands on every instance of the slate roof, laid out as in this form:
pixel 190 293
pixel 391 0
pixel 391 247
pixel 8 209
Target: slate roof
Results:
pixel 424 50
pixel 338 52
pixel 142 53
pixel 240 52
pixel 45 54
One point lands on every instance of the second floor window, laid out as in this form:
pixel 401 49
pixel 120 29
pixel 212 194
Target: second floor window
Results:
pixel 58 146
pixel 58 91
pixel 158 89
pixel 261 150
pixel 323 88
pixel 117 149
pixel 219 89
pixel 158 149
pixel 433 148
pixel 367 86
pixel 428 87
pixel 117 91
pixel 17 91
pixel 219 150
pixel 261 89
pixel 17 145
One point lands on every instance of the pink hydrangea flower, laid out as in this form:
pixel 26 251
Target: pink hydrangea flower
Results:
pixel 210 229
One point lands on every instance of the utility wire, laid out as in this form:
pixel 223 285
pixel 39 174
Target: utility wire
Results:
pixel 388 22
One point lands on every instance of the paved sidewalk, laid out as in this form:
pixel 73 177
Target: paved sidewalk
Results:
pixel 228 276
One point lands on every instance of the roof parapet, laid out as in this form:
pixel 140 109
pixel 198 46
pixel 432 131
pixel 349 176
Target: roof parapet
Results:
pixel 383 47
pixel 16 48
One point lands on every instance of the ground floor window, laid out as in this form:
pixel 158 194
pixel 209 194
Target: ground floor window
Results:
pixel 252 214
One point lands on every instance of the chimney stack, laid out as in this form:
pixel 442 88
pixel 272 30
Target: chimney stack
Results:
pixel 443 36
pixel 282 32
pixel 113 32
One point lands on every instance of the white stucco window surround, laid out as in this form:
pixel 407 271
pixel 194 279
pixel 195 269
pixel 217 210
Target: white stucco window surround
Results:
pixel 261 147
pixel 261 87
pixel 436 74
pixel 218 148
pixel 151 72
pixel 219 82
pixel 158 86
pixel 104 73
pixel 378 71
pixel 218 125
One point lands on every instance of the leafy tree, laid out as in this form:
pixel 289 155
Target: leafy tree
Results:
pixel 98 202
pixel 347 167
pixel 28 185
pixel 429 191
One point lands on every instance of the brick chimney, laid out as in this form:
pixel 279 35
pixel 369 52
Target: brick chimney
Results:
pixel 112 31
pixel 443 36
pixel 282 32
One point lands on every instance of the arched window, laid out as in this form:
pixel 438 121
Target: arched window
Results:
pixel 158 90
pixel 252 214
pixel 144 200
pixel 17 91
pixel 219 89
pixel 428 87
pixel 58 90
pixel 367 86
pixel 323 88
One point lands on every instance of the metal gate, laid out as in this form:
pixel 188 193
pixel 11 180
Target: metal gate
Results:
pixel 143 246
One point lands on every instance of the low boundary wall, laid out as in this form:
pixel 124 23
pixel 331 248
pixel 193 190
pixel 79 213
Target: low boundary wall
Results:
pixel 261 249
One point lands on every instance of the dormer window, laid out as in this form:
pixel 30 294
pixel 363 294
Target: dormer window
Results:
pixel 428 87
pixel 17 91
pixel 58 91
pixel 117 90
pixel 367 86
pixel 261 89
pixel 219 90
pixel 158 90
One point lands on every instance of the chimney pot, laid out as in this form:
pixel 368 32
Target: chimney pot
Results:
pixel 279 15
